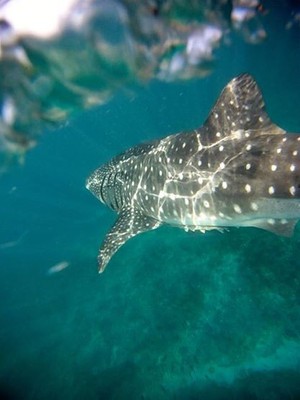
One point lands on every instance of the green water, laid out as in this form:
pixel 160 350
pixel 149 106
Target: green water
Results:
pixel 176 315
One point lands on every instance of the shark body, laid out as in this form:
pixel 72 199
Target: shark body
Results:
pixel 238 169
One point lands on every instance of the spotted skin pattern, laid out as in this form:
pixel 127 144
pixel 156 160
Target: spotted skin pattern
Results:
pixel 238 169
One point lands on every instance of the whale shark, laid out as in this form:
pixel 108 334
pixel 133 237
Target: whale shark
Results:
pixel 237 170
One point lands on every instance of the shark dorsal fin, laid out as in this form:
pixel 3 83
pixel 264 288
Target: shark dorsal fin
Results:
pixel 239 107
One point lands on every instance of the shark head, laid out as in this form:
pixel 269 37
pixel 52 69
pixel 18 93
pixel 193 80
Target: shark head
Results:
pixel 238 169
pixel 113 182
pixel 105 184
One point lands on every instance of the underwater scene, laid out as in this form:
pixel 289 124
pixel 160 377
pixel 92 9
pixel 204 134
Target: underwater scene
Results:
pixel 175 315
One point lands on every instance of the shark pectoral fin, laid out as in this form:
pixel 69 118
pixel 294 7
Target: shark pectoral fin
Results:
pixel 279 227
pixel 129 223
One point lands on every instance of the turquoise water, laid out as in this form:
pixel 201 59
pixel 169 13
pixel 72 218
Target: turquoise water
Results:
pixel 176 315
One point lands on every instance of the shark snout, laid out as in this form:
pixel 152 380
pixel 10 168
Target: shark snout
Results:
pixel 94 184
